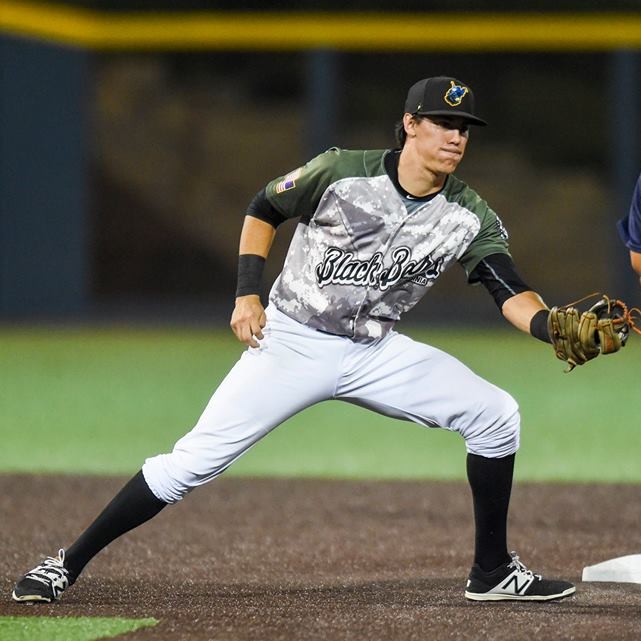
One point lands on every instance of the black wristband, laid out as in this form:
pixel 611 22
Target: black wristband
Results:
pixel 539 326
pixel 250 272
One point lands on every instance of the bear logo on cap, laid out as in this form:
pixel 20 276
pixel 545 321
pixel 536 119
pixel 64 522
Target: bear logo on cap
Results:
pixel 455 94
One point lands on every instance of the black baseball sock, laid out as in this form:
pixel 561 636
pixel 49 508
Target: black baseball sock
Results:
pixel 131 507
pixel 491 483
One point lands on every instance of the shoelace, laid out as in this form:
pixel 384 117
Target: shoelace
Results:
pixel 51 568
pixel 520 567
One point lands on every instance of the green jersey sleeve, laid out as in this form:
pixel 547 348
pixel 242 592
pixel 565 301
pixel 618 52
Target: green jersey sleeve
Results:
pixel 492 238
pixel 299 192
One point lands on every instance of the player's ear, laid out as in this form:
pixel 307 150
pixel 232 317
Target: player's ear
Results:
pixel 409 122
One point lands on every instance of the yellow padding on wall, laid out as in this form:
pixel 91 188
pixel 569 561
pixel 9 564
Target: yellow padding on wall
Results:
pixel 346 31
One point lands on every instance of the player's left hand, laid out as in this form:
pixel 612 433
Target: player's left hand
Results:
pixel 603 329
pixel 248 319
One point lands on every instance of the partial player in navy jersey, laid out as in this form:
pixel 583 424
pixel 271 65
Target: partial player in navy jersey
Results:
pixel 630 229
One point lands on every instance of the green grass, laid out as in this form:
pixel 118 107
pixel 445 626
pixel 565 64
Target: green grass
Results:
pixel 101 401
pixel 67 628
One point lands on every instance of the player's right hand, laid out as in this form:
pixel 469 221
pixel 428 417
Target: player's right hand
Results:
pixel 248 319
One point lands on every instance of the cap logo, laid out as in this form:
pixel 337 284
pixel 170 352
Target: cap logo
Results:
pixel 455 94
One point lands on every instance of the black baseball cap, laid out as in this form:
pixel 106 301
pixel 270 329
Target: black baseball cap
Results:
pixel 442 96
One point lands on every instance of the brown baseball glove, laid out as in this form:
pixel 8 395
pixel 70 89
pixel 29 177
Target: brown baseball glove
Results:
pixel 578 337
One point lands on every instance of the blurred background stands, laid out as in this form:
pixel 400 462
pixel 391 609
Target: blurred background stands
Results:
pixel 132 137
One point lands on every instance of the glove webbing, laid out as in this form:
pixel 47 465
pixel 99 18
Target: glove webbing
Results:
pixel 628 314
pixel 631 315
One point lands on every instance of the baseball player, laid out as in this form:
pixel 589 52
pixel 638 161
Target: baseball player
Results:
pixel 376 229
pixel 630 229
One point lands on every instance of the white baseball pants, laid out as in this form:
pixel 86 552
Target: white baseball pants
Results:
pixel 296 366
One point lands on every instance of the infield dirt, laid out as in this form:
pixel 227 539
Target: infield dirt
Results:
pixel 305 560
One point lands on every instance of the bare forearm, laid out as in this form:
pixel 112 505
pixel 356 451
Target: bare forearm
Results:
pixel 255 242
pixel 256 237
pixel 520 309
pixel 248 317
pixel 635 261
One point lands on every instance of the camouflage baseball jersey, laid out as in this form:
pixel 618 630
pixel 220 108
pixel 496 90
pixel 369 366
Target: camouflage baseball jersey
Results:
pixel 363 253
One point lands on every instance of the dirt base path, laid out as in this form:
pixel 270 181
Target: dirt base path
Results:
pixel 303 560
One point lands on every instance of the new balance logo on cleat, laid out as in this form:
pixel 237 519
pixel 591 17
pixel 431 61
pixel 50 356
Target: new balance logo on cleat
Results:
pixel 512 581
pixel 45 583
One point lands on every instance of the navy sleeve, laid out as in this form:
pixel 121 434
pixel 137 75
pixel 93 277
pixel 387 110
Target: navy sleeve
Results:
pixel 630 226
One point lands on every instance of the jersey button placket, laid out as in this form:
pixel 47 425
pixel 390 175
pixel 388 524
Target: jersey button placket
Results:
pixel 364 307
